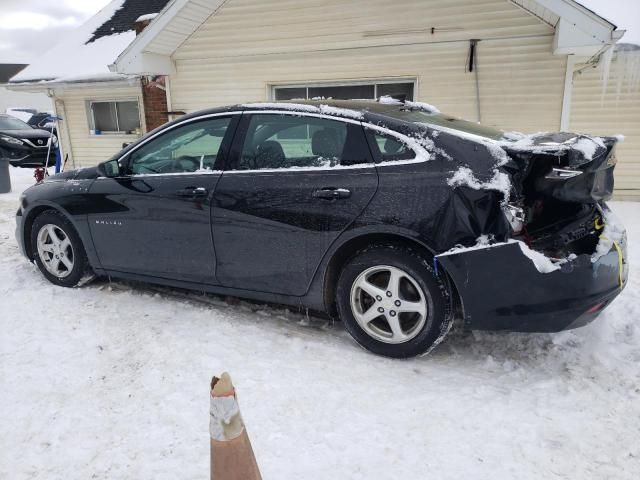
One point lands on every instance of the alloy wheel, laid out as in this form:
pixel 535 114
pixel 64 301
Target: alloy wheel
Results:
pixel 389 304
pixel 55 250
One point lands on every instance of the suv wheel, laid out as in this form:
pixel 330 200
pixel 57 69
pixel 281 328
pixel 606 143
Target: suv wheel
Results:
pixel 392 302
pixel 58 250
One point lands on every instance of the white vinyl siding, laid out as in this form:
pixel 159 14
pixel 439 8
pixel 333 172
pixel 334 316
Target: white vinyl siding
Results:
pixel 238 55
pixel 88 149
pixel 611 114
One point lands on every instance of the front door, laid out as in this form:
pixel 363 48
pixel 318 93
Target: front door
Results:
pixel 294 183
pixel 155 219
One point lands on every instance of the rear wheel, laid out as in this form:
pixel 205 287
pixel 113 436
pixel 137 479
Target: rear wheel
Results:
pixel 58 250
pixel 392 302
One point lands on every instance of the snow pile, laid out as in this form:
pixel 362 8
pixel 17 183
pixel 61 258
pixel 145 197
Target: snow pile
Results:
pixel 614 232
pixel 482 242
pixel 542 263
pixel 341 112
pixel 496 152
pixel 325 109
pixel 389 100
pixel 111 381
pixel 147 17
pixel 72 59
pixel 588 146
pixel 425 107
pixel 500 181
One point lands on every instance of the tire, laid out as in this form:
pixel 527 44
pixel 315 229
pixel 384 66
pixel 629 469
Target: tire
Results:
pixel 74 267
pixel 419 308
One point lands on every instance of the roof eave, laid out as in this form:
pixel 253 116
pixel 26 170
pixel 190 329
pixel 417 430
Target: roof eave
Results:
pixel 141 57
pixel 580 31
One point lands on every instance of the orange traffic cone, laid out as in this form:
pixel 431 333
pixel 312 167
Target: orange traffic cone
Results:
pixel 232 457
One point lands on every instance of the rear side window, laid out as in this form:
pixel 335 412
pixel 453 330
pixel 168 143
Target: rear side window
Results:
pixel 279 141
pixel 388 148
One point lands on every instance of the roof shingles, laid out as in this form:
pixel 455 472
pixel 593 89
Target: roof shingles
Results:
pixel 123 19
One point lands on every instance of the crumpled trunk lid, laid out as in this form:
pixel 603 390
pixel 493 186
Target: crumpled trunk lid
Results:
pixel 563 166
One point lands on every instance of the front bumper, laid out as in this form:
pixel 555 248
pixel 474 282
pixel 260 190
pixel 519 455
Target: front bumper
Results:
pixel 20 232
pixel 25 156
pixel 501 288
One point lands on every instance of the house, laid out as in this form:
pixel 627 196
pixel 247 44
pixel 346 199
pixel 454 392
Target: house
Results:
pixel 526 65
pixel 100 109
pixel 24 100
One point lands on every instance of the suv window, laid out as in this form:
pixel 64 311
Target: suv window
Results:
pixel 190 148
pixel 387 148
pixel 276 141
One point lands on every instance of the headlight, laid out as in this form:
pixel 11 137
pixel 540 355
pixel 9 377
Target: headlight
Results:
pixel 13 141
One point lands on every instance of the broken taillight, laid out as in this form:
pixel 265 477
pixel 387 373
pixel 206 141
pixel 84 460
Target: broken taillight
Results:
pixel 562 174
pixel 596 308
pixel 515 216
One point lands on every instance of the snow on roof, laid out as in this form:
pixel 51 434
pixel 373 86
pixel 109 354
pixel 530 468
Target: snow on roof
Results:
pixel 86 52
pixel 148 16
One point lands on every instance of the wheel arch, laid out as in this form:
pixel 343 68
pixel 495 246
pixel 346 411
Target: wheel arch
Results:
pixel 353 245
pixel 37 210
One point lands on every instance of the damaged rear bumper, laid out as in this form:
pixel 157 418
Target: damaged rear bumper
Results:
pixel 502 289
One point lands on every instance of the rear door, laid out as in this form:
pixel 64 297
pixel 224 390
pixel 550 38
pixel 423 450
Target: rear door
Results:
pixel 295 182
pixel 155 219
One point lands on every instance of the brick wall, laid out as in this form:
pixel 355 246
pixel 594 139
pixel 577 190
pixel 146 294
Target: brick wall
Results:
pixel 154 98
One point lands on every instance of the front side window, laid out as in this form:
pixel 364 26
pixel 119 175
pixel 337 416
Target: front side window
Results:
pixel 275 141
pixel 194 147
pixel 114 117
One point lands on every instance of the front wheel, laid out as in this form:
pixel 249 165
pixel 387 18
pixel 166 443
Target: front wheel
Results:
pixel 392 302
pixel 58 250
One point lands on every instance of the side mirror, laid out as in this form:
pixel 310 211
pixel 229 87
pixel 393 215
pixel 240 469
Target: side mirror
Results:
pixel 109 169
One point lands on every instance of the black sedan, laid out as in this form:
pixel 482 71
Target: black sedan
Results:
pixel 390 215
pixel 23 145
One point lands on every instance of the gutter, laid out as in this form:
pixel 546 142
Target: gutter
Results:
pixel 45 85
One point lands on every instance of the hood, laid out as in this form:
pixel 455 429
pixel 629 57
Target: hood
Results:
pixel 88 173
pixel 26 133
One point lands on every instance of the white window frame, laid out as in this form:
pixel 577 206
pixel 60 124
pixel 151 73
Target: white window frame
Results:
pixel 91 119
pixel 351 83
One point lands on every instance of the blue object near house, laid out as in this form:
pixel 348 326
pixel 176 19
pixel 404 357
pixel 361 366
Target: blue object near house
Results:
pixel 58 160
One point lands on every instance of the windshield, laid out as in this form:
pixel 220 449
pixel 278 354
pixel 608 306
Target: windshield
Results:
pixel 11 123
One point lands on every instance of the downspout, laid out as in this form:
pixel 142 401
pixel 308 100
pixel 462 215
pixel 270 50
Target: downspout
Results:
pixel 473 67
pixel 60 111
pixel 565 116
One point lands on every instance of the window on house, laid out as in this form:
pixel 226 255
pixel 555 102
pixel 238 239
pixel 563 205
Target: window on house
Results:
pixel 400 91
pixel 121 116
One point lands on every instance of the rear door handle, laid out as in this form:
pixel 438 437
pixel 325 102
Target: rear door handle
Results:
pixel 332 193
pixel 193 192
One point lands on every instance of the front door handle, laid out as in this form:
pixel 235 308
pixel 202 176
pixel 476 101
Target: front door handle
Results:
pixel 332 193
pixel 193 192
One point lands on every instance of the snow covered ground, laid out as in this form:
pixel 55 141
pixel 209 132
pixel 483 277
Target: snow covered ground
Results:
pixel 110 381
